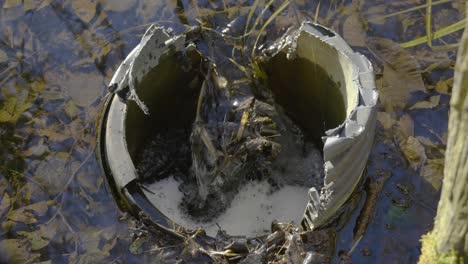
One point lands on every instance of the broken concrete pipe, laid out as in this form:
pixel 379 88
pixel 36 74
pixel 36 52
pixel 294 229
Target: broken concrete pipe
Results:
pixel 327 88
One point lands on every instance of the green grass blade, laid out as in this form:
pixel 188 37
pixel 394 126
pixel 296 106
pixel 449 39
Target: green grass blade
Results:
pixel 438 34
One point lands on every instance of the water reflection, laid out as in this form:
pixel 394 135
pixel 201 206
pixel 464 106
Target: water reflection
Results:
pixel 57 56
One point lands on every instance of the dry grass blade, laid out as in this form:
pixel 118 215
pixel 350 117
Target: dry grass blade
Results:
pixel 249 16
pixel 317 10
pixel 438 34
pixel 429 22
pixel 270 19
pixel 200 101
pixel 267 6
pixel 245 118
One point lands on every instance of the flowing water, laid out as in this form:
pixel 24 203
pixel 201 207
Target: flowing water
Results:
pixel 56 58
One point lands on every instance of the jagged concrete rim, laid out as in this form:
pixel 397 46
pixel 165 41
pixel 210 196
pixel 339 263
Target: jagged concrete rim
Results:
pixel 346 147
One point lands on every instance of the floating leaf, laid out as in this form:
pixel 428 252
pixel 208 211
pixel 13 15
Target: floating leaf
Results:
pixel 433 102
pixel 401 75
pixel 13 108
pixel 35 238
pixel 433 172
pixel 414 152
pixel 85 9
pixel 117 6
pixel 11 3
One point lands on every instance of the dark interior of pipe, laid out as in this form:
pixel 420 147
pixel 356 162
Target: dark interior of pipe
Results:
pixel 307 93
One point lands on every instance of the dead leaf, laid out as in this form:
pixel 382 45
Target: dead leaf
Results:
pixel 354 31
pixel 117 6
pixel 3 56
pixel 433 102
pixel 13 107
pixel 55 133
pixel 401 75
pixel 29 5
pixel 16 251
pixel 89 182
pixel 71 110
pixel 37 150
pixel 85 9
pixel 11 3
pixel 92 238
pixel 414 152
pixel 44 235
pixel 136 247
pixel 385 120
pixel 83 88
pixel 433 172
pixel 5 204
pixel 27 214
pixel 444 86
pixel 406 125
pixel 52 173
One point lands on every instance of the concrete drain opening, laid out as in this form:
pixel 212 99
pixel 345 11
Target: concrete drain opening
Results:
pixel 313 139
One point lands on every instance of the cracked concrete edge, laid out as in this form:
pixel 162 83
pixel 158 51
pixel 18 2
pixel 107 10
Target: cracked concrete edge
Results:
pixel 347 147
pixel 155 43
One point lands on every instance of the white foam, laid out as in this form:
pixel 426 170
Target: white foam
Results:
pixel 251 213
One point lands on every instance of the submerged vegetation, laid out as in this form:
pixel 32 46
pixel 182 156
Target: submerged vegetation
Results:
pixel 57 56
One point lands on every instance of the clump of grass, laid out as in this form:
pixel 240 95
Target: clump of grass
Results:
pixel 270 19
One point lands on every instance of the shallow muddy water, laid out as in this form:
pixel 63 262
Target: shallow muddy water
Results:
pixel 56 58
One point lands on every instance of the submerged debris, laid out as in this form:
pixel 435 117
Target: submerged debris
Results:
pixel 241 138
